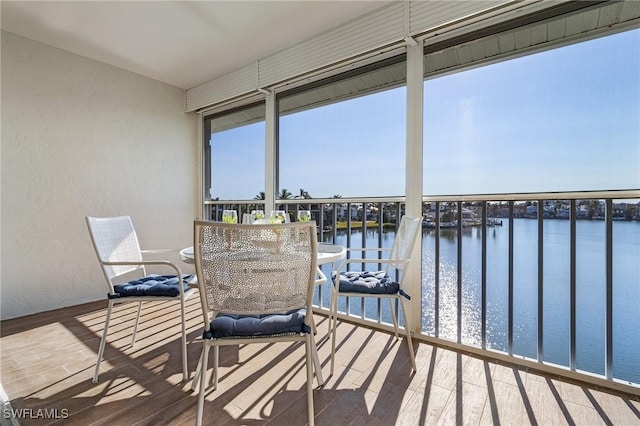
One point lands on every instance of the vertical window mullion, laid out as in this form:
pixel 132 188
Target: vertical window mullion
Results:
pixel 271 153
pixel 413 176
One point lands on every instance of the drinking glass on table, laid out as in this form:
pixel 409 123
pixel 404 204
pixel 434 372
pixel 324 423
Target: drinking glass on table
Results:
pixel 229 216
pixel 304 215
pixel 277 216
pixel 257 215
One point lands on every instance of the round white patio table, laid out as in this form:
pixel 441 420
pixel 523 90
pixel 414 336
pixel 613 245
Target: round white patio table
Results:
pixel 327 253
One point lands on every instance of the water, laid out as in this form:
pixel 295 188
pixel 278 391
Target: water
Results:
pixel 590 290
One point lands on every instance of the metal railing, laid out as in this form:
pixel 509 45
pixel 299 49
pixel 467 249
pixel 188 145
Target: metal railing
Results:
pixel 458 305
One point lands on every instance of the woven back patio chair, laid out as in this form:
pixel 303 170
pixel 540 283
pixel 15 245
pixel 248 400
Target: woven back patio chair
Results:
pixel 256 285
pixel 121 259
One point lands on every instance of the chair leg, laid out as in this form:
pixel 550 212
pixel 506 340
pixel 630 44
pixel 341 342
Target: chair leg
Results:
pixel 310 409
pixel 313 325
pixel 407 328
pixel 394 317
pixel 203 381
pixel 332 290
pixel 333 323
pixel 196 375
pixel 316 361
pixel 216 358
pixel 199 370
pixel 321 278
pixel 185 371
pixel 135 326
pixel 103 341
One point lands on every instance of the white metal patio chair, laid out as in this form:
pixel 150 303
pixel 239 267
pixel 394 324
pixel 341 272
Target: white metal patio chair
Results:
pixel 384 284
pixel 256 285
pixel 121 259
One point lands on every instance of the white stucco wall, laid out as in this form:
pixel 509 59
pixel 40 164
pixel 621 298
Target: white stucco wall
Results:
pixel 83 138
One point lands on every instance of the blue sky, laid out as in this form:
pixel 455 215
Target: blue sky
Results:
pixel 566 119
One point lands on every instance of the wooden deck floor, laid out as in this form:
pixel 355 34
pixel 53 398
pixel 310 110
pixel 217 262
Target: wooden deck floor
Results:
pixel 47 363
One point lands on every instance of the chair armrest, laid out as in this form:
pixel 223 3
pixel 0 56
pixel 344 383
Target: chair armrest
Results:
pixel 321 278
pixel 382 249
pixel 368 250
pixel 160 251
pixel 142 262
pixel 394 261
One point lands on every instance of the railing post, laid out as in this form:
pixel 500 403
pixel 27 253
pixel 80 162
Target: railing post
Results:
pixel 510 308
pixel 572 283
pixel 540 281
pixel 483 296
pixel 609 298
pixel 459 275
pixel 437 273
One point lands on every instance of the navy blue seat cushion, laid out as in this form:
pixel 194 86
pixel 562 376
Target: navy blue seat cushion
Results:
pixel 151 285
pixel 367 282
pixel 230 325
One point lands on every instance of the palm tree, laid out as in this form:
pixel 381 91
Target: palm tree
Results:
pixel 285 195
pixel 492 210
pixel 594 205
pixel 334 208
pixel 304 194
pixel 260 196
pixel 388 212
pixel 451 212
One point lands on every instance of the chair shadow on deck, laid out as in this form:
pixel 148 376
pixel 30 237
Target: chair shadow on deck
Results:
pixel 141 379
pixel 265 385
pixel 281 400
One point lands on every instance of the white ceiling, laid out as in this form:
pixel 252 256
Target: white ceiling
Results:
pixel 182 43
